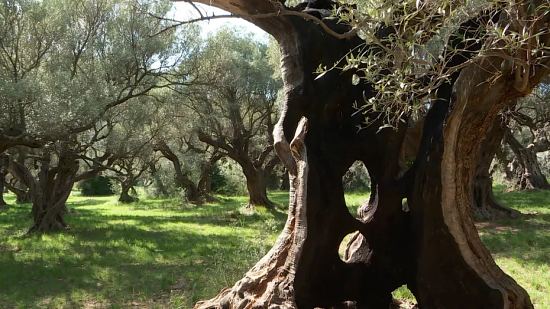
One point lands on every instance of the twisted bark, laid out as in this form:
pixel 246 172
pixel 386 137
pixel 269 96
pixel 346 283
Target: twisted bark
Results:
pixel 432 246
pixel 49 190
pixel 271 281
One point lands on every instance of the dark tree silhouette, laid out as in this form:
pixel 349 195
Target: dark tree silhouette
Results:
pixel 434 247
pixel 4 163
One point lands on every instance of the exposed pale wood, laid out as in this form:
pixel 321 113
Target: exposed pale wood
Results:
pixel 270 283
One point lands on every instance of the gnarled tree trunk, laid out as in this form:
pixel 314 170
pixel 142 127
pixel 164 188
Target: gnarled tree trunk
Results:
pixel 255 171
pixel 432 246
pixel 447 241
pixel 22 195
pixel 528 174
pixel 271 281
pixel 125 187
pixel 49 190
pixel 256 185
pixel 194 193
pixel 204 186
pixel 484 205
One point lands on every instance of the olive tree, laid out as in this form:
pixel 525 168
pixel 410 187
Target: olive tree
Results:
pixel 234 102
pixel 492 54
pixel 62 73
pixel 526 136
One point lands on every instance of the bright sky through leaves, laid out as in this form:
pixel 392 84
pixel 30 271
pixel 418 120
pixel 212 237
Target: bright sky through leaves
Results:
pixel 184 11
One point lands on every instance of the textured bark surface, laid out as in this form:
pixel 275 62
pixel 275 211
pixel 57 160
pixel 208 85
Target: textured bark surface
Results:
pixel 49 190
pixel 271 281
pixel 431 245
pixel 447 242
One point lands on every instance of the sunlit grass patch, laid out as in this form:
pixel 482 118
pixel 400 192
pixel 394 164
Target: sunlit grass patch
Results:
pixel 119 255
pixel 166 254
pixel 521 247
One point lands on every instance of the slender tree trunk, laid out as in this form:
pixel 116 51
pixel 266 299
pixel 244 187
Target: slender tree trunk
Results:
pixel 204 185
pixel 4 165
pixel 528 174
pixel 485 205
pixel 3 203
pixel 161 188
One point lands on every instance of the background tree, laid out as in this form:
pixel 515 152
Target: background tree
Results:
pixel 96 186
pixel 22 193
pixel 191 161
pixel 66 72
pixel 236 106
pixel 484 205
pixel 160 188
pixel 434 248
pixel 131 144
pixel 4 163
pixel 526 137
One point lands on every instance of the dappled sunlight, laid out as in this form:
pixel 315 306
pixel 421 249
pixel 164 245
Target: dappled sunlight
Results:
pixel 522 246
pixel 533 276
pixel 354 200
pixel 111 246
pixel 104 257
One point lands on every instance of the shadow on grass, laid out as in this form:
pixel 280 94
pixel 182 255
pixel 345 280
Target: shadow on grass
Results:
pixel 116 254
pixel 526 238
pixel 88 202
pixel 113 262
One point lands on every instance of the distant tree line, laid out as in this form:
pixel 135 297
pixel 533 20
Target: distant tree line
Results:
pixel 107 94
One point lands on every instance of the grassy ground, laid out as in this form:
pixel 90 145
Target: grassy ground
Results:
pixel 154 253
pixel 158 253
pixel 522 247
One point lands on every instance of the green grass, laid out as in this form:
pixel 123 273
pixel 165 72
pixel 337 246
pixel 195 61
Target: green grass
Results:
pixel 159 253
pixel 522 246
pixel 154 253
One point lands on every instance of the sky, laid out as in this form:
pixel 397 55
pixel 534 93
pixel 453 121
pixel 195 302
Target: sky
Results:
pixel 184 11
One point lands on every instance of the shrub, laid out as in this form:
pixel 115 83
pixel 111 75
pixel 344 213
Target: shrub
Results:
pixel 97 186
pixel 228 179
